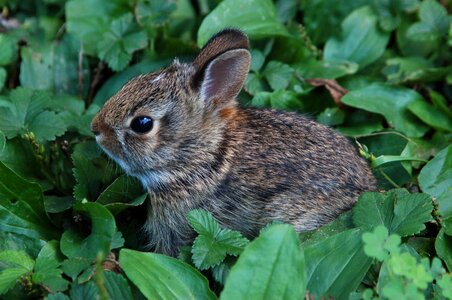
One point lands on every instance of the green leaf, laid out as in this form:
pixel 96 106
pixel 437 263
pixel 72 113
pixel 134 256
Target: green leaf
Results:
pixel 325 69
pixel 47 270
pixel 385 159
pixel 117 45
pixel 57 296
pixel 431 115
pixel 73 245
pixel 257 18
pixel 2 142
pixel 124 192
pixel 379 244
pixel 89 19
pixel 213 243
pixel 91 170
pixel 331 116
pixel 6 50
pixel 397 210
pixel 434 22
pixel 278 74
pixel 413 69
pixel 2 78
pixel 254 84
pixel 21 207
pixel 84 291
pixel 55 204
pixel 392 103
pixel 154 12
pixel 336 265
pixel 285 100
pixel 162 277
pixel 25 111
pixel 443 247
pixel 436 176
pixel 117 286
pixel 361 40
pixel 9 277
pixel 271 267
pixel 18 259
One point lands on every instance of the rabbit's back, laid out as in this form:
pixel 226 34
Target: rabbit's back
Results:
pixel 286 167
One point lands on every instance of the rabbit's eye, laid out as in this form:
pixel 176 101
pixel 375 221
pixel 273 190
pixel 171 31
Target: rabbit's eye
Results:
pixel 141 124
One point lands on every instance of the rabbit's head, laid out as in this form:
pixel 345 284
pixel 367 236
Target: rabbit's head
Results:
pixel 172 121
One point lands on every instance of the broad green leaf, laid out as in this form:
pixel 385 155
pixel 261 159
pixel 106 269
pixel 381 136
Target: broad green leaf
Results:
pixel 336 265
pixel 72 267
pixel 271 267
pixel 397 210
pixel 22 208
pixel 117 286
pixel 124 192
pixel 434 22
pixel 100 239
pixel 278 74
pixel 413 69
pixel 19 242
pixel 431 115
pixel 213 243
pixel 18 156
pixel 117 45
pixel 55 204
pixel 331 116
pixel 443 247
pixel 385 159
pixel 392 103
pixel 361 40
pixel 47 271
pixel 254 84
pixel 257 18
pixel 257 60
pixel 318 16
pixel 57 296
pixel 436 176
pixel 162 277
pixel 154 12
pixel 325 69
pixel 6 50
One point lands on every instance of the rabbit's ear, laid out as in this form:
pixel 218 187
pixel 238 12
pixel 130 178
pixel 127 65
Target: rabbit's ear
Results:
pixel 222 66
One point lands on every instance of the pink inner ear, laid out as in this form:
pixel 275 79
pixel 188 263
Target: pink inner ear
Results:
pixel 225 75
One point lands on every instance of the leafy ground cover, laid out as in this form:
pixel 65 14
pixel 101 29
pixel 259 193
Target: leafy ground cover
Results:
pixel 377 71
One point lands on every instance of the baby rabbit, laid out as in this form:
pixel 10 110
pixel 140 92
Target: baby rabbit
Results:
pixel 181 132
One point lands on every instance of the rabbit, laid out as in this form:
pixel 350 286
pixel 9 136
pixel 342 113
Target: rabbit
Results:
pixel 181 132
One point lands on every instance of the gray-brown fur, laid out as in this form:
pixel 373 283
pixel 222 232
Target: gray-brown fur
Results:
pixel 246 166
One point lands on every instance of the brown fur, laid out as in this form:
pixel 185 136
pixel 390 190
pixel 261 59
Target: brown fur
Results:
pixel 248 167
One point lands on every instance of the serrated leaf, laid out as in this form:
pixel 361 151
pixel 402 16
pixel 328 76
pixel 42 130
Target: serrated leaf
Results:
pixel 213 243
pixel 170 278
pixel 84 291
pixel 278 74
pixel 117 286
pixel 9 277
pixel 117 45
pixel 154 12
pixel 18 259
pixel 47 270
pixel 257 18
pixel 397 210
pixel 285 100
pixel 392 103
pixel 271 267
pixel 361 40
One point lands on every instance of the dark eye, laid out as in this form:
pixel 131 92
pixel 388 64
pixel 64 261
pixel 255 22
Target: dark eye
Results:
pixel 141 124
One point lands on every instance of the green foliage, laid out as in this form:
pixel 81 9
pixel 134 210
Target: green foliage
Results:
pixel 379 71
